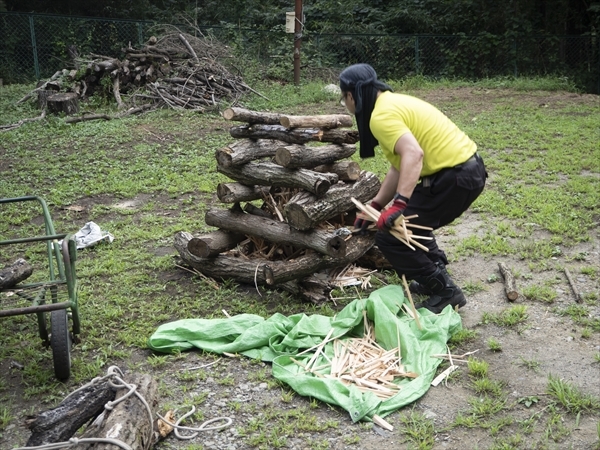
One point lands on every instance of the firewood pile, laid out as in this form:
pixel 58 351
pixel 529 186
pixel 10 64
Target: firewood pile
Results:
pixel 175 70
pixel 291 210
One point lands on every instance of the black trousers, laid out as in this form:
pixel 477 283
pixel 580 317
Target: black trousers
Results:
pixel 438 199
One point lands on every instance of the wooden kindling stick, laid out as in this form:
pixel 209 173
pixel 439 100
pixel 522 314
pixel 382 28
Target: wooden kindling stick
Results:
pixel 400 230
pixel 414 310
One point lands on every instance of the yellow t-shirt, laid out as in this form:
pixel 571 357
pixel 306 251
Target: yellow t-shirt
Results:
pixel 443 143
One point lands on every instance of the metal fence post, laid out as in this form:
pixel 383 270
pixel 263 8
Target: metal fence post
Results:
pixel 417 63
pixel 515 56
pixel 36 64
pixel 140 33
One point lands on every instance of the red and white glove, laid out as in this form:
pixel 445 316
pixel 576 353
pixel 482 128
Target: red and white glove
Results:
pixel 361 223
pixel 387 217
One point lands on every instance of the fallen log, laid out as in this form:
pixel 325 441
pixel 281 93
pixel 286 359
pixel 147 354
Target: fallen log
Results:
pixel 300 156
pixel 322 121
pixel 276 232
pixel 295 135
pixel 269 174
pixel 510 285
pixel 263 272
pixel 246 150
pixel 245 115
pixel 345 170
pixel 15 273
pixel 304 211
pixel 237 192
pixel 130 421
pixel 61 423
pixel 211 244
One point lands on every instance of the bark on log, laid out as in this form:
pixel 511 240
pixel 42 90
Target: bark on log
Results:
pixel 345 170
pixel 510 285
pixel 129 421
pixel 251 209
pixel 269 174
pixel 245 115
pixel 295 135
pixel 211 244
pixel 61 423
pixel 276 272
pixel 301 156
pixel 15 273
pixel 66 102
pixel 221 266
pixel 323 121
pixel 263 272
pixel 246 150
pixel 237 192
pixel 304 211
pixel 310 289
pixel 276 232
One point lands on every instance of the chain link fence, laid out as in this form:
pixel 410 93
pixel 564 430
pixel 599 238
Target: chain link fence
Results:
pixel 34 46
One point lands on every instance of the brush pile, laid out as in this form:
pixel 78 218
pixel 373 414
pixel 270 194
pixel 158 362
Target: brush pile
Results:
pixel 175 70
pixel 291 213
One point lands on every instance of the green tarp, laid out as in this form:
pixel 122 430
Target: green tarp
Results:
pixel 279 338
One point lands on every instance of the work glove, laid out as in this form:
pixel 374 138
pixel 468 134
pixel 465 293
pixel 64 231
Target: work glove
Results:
pixel 387 217
pixel 362 224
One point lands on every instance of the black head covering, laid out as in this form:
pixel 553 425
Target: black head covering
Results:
pixel 361 80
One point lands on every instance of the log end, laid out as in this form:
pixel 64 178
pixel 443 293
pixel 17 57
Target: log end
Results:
pixel 321 187
pixel 223 156
pixel 297 218
pixel 285 121
pixel 198 247
pixel 512 295
pixel 228 114
pixel 283 156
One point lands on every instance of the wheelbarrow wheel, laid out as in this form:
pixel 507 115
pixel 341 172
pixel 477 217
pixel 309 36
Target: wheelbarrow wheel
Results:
pixel 60 341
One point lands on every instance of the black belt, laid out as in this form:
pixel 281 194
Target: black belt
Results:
pixel 426 181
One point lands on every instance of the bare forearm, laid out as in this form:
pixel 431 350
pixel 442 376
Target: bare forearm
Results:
pixel 411 164
pixel 410 172
pixel 388 187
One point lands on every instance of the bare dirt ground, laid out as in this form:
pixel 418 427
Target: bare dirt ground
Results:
pixel 546 343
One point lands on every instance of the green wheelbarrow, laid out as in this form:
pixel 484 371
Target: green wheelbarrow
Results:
pixel 52 295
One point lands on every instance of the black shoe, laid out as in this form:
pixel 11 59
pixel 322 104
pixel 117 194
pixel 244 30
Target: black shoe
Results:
pixel 437 303
pixel 444 292
pixel 420 289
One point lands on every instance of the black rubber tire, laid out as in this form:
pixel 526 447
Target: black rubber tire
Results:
pixel 60 341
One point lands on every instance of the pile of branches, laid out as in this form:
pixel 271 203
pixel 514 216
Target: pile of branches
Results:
pixel 176 70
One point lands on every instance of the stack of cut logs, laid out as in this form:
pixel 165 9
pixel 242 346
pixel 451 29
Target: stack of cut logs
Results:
pixel 296 186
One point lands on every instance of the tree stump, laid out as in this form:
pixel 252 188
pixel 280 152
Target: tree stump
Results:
pixel 65 102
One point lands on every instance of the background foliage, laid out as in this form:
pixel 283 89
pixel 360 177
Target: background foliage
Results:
pixel 570 17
